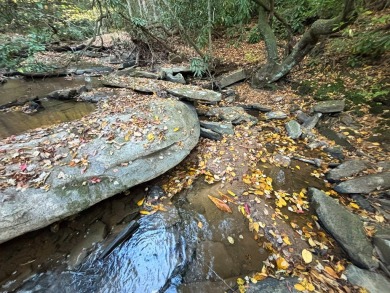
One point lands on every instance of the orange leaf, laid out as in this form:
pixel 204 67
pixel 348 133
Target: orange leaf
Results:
pixel 220 204
pixel 331 272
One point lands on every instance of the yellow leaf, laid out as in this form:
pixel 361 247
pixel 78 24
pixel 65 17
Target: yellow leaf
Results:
pixel 150 137
pixel 354 205
pixel 140 202
pixel 176 129
pixel 200 225
pixel 281 263
pixel 127 136
pixel 299 287
pixel 231 193
pixel 286 240
pixel 311 242
pixel 280 202
pixel 144 212
pixel 240 281
pixel 299 168
pixel 310 287
pixel 307 256
pixel 220 204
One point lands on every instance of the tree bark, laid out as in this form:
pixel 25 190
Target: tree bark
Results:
pixel 273 71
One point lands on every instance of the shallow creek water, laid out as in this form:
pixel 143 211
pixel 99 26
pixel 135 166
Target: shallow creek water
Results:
pixel 53 112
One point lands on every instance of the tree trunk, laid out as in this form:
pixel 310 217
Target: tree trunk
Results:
pixel 273 71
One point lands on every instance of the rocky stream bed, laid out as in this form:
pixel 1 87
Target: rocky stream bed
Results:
pixel 254 197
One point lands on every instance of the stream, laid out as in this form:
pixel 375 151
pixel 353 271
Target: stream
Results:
pixel 190 246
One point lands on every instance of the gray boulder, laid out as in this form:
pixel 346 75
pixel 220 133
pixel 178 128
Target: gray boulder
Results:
pixel 195 94
pixel 178 78
pixel 331 106
pixel 365 184
pixel 373 282
pixel 235 115
pixel 293 129
pixel 81 171
pixel 346 169
pixel 311 121
pixel 208 133
pixel 232 78
pixel 382 245
pixel 219 127
pixel 275 115
pixel 257 107
pixel 345 227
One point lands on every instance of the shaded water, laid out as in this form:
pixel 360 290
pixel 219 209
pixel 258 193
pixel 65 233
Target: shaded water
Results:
pixel 12 123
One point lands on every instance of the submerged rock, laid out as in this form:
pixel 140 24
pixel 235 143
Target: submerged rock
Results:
pixel 365 184
pixel 331 106
pixel 373 282
pixel 345 227
pixel 66 187
pixel 346 169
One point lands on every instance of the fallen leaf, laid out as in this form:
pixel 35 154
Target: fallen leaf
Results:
pixel 230 239
pixel 307 256
pixel 281 263
pixel 144 212
pixel 220 204
pixel 331 272
pixel 140 202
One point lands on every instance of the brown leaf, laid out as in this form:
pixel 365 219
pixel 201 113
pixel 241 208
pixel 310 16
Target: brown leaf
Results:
pixel 331 272
pixel 220 204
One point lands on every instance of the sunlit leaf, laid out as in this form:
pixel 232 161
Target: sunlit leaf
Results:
pixel 220 204
pixel 281 263
pixel 307 256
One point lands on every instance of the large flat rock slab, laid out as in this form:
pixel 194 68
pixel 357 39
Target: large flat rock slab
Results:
pixel 51 176
pixel 345 227
pixel 346 169
pixel 195 94
pixel 365 184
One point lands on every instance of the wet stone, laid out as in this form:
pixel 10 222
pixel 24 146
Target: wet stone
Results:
pixel 338 221
pixel 257 107
pixel 293 129
pixel 276 115
pixel 365 184
pixel 373 282
pixel 271 285
pixel 346 169
pixel 331 106
pixel 95 234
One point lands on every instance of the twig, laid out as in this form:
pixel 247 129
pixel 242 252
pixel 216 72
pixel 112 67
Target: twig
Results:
pixel 220 278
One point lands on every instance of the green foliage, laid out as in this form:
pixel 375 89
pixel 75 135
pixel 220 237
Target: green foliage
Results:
pixel 198 66
pixel 369 40
pixel 254 36
pixel 16 49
